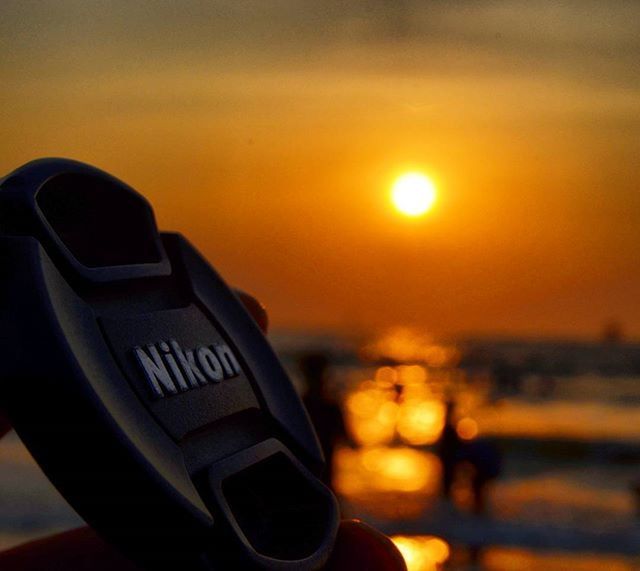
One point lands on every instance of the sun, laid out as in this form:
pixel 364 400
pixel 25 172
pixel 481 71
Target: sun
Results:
pixel 413 194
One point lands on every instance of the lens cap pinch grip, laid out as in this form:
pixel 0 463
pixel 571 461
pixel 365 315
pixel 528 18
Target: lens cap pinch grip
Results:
pixel 144 389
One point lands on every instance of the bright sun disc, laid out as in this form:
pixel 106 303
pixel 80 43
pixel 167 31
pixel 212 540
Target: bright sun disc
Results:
pixel 413 194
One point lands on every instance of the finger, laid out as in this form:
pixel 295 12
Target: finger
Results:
pixel 76 550
pixel 255 308
pixel 359 546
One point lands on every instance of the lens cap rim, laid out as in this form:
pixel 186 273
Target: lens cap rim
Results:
pixel 30 178
pixel 42 281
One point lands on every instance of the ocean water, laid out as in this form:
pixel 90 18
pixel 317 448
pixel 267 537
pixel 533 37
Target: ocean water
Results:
pixel 564 499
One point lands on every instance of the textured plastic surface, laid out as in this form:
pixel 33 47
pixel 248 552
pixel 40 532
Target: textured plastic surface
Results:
pixel 143 387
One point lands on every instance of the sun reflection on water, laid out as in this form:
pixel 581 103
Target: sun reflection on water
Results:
pixel 421 421
pixel 409 345
pixel 399 482
pixel 422 552
pixel 371 414
pixel 385 469
pixel 392 415
pixel 398 402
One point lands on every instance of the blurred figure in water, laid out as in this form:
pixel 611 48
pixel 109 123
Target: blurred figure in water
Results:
pixel 479 454
pixel 485 458
pixel 448 449
pixel 325 412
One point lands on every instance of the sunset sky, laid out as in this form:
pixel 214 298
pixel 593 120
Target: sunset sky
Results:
pixel 270 133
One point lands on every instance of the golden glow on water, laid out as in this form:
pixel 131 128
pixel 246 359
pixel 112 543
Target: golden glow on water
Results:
pixel 395 409
pixel 371 414
pixel 385 469
pixel 517 559
pixel 387 376
pixel 412 375
pixel 400 469
pixel 413 194
pixel 421 422
pixel 406 344
pixel 422 552
pixel 374 416
pixel 564 419
pixel 376 412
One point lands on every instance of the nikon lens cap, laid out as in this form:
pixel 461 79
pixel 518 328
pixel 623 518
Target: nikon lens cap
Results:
pixel 143 387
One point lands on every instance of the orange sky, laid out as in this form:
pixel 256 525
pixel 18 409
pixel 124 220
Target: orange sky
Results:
pixel 269 134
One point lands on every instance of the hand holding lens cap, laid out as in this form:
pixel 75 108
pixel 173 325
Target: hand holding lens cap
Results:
pixel 144 388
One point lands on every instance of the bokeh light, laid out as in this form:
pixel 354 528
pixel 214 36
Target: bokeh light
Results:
pixel 422 553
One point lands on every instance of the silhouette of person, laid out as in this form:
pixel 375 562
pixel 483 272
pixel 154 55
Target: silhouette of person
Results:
pixel 486 460
pixel 448 450
pixel 481 454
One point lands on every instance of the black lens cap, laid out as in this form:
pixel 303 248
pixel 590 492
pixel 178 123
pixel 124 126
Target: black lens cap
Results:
pixel 144 388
